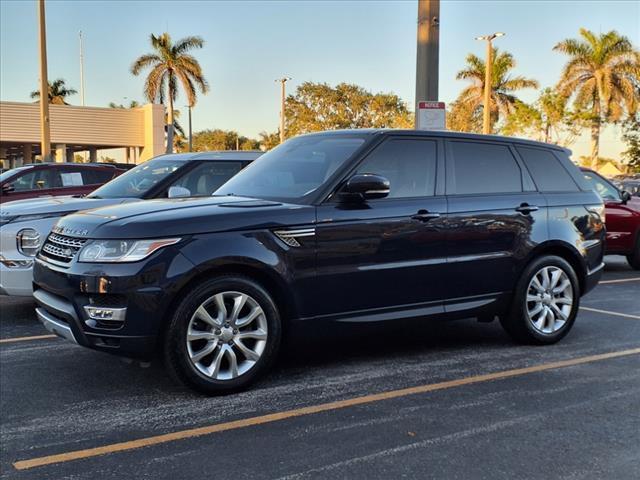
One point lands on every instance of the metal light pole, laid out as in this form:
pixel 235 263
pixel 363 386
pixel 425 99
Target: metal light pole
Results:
pixel 486 108
pixel 45 136
pixel 190 132
pixel 282 81
pixel 427 60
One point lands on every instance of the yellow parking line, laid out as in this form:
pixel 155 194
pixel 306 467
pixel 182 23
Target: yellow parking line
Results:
pixel 608 312
pixel 27 339
pixel 310 410
pixel 621 280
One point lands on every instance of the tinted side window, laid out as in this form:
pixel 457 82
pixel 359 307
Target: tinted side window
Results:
pixel 96 176
pixel 546 170
pixel 484 168
pixel 408 164
pixel 38 179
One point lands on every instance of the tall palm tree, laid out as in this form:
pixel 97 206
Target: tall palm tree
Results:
pixel 57 92
pixel 601 75
pixel 503 86
pixel 170 64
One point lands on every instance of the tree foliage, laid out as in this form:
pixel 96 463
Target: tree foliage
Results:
pixel 222 140
pixel 631 137
pixel 57 92
pixel 170 64
pixel 601 75
pixel 319 106
pixel 468 107
pixel 548 120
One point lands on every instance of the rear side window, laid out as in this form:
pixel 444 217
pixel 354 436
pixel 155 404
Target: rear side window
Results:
pixel 409 165
pixel 484 168
pixel 95 176
pixel 547 171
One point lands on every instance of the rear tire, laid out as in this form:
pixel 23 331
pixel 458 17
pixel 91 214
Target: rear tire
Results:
pixel 545 303
pixel 223 336
pixel 634 258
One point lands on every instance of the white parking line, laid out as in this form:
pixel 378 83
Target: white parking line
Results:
pixel 608 312
pixel 27 339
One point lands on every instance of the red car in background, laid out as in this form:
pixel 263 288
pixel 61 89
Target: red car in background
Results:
pixel 622 212
pixel 55 179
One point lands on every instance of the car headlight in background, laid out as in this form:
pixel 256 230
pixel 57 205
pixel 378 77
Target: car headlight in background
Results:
pixel 97 251
pixel 28 242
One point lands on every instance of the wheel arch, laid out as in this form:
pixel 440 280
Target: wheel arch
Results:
pixel 265 276
pixel 565 251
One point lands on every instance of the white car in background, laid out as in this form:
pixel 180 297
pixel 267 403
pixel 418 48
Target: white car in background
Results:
pixel 25 224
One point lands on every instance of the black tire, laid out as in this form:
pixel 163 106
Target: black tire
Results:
pixel 634 258
pixel 516 322
pixel 176 354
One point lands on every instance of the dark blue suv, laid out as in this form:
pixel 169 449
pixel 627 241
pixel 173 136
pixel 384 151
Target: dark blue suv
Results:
pixel 361 225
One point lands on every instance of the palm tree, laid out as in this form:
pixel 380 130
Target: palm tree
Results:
pixel 503 100
pixel 601 75
pixel 58 92
pixel 170 64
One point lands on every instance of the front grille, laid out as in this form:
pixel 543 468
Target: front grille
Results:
pixel 61 248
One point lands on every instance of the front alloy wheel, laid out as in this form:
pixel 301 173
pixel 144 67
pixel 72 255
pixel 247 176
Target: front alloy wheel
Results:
pixel 223 335
pixel 227 335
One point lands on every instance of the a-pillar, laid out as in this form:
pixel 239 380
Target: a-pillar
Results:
pixel 93 155
pixel 61 153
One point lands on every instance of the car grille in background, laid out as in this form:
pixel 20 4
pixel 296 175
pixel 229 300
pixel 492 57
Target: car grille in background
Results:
pixel 61 248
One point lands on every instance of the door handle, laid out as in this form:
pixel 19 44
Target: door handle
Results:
pixel 425 215
pixel 526 209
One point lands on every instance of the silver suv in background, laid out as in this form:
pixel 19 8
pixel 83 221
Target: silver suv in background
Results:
pixel 24 224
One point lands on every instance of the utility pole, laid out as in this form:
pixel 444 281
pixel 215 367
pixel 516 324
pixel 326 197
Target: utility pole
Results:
pixel 81 70
pixel 45 136
pixel 84 154
pixel 282 81
pixel 427 60
pixel 190 132
pixel 488 75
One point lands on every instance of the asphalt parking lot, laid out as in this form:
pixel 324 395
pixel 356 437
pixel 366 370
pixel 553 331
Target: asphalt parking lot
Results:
pixel 394 400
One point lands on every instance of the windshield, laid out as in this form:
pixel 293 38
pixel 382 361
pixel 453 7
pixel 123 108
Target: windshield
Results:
pixel 10 173
pixel 294 169
pixel 137 181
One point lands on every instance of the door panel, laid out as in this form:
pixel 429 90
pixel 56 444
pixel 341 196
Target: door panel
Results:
pixel 387 253
pixel 376 255
pixel 488 239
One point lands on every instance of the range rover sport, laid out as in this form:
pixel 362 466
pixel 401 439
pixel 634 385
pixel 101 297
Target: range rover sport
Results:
pixel 358 225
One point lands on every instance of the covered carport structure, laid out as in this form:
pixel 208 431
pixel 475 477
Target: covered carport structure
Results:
pixel 140 131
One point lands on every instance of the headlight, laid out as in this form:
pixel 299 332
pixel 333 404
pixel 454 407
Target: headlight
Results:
pixel 98 251
pixel 28 242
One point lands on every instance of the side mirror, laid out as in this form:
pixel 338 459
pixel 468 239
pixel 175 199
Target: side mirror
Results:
pixel 178 192
pixel 625 196
pixel 8 188
pixel 365 186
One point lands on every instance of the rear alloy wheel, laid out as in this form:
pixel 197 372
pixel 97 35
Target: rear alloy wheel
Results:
pixel 545 303
pixel 223 336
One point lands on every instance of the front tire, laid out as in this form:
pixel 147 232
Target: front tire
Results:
pixel 634 258
pixel 545 302
pixel 223 336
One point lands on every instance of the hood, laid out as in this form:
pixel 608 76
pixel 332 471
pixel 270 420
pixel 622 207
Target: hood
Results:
pixel 178 217
pixel 50 205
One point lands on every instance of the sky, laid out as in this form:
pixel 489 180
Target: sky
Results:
pixel 248 44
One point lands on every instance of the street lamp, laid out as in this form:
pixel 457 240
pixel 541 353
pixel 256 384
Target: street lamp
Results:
pixel 282 81
pixel 486 111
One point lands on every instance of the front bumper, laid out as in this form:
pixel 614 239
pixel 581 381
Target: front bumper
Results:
pixel 140 292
